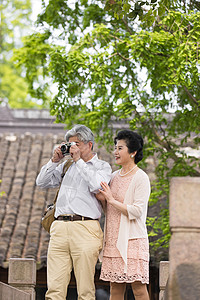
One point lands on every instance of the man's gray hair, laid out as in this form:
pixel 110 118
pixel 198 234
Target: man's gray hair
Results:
pixel 83 133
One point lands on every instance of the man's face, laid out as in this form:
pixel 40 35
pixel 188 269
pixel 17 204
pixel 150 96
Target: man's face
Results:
pixel 85 149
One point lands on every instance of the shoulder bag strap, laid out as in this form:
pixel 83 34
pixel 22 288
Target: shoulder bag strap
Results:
pixel 66 166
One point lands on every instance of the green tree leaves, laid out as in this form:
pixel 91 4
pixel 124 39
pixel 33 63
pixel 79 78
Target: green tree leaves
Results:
pixel 14 23
pixel 137 62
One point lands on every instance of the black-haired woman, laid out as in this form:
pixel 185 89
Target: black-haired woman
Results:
pixel 126 246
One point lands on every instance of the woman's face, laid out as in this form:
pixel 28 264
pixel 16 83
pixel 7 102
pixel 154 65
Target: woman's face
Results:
pixel 122 156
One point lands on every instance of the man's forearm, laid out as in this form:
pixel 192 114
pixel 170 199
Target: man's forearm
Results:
pixel 47 177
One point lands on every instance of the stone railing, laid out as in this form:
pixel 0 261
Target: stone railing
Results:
pixel 184 251
pixel 8 292
pixel 163 278
pixel 21 280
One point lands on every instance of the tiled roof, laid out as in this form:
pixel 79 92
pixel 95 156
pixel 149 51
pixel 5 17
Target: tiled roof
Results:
pixel 6 114
pixel 22 203
pixel 22 154
pixel 28 120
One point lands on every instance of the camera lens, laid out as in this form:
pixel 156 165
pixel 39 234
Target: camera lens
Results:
pixel 63 148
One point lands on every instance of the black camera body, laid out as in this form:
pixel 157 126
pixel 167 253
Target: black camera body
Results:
pixel 66 147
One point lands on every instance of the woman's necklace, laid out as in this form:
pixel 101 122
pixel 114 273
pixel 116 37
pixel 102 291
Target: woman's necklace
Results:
pixel 127 172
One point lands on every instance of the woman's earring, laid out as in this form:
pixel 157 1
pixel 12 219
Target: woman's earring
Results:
pixel 132 156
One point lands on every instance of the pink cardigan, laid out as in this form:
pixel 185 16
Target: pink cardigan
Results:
pixel 134 226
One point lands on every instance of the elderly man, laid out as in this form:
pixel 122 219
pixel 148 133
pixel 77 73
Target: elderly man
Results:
pixel 75 235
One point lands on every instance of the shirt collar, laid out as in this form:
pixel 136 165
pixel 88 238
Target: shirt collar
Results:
pixel 95 157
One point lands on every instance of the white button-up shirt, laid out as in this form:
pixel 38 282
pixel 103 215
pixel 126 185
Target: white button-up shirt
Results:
pixel 79 185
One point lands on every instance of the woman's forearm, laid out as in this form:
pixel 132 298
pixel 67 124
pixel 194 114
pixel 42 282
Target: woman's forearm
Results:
pixel 119 206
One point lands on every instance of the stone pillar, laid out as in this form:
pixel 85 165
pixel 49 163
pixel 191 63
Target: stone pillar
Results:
pixel 184 252
pixel 22 274
pixel 163 277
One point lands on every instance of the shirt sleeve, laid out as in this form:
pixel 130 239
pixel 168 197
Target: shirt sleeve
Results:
pixel 50 175
pixel 94 173
pixel 140 199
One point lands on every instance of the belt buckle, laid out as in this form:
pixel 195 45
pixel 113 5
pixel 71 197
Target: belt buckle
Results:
pixel 69 217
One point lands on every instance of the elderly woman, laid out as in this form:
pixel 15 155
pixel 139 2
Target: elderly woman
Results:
pixel 126 247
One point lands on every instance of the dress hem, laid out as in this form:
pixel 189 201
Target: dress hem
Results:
pixel 125 281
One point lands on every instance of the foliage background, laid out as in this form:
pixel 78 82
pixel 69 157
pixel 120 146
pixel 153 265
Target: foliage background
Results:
pixel 15 23
pixel 136 61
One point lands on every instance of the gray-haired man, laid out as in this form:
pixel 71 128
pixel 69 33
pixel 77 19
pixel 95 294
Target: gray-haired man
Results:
pixel 75 235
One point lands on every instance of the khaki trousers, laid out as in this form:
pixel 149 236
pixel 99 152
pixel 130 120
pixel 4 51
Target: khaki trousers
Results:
pixel 73 245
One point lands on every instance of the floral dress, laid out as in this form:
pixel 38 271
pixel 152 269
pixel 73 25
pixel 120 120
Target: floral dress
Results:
pixel 138 249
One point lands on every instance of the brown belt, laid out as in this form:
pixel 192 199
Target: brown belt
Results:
pixel 72 218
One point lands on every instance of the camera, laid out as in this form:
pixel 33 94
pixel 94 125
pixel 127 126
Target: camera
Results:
pixel 65 147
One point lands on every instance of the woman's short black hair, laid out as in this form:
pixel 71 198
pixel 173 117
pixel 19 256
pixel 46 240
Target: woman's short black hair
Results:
pixel 134 142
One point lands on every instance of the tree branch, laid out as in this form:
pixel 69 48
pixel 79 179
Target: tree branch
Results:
pixel 165 144
pixel 127 27
pixel 195 101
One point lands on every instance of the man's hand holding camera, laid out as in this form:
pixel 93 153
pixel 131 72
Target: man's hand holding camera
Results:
pixel 57 155
pixel 66 149
pixel 75 153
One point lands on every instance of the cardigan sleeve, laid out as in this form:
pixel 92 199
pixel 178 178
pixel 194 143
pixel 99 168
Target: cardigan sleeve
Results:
pixel 139 197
